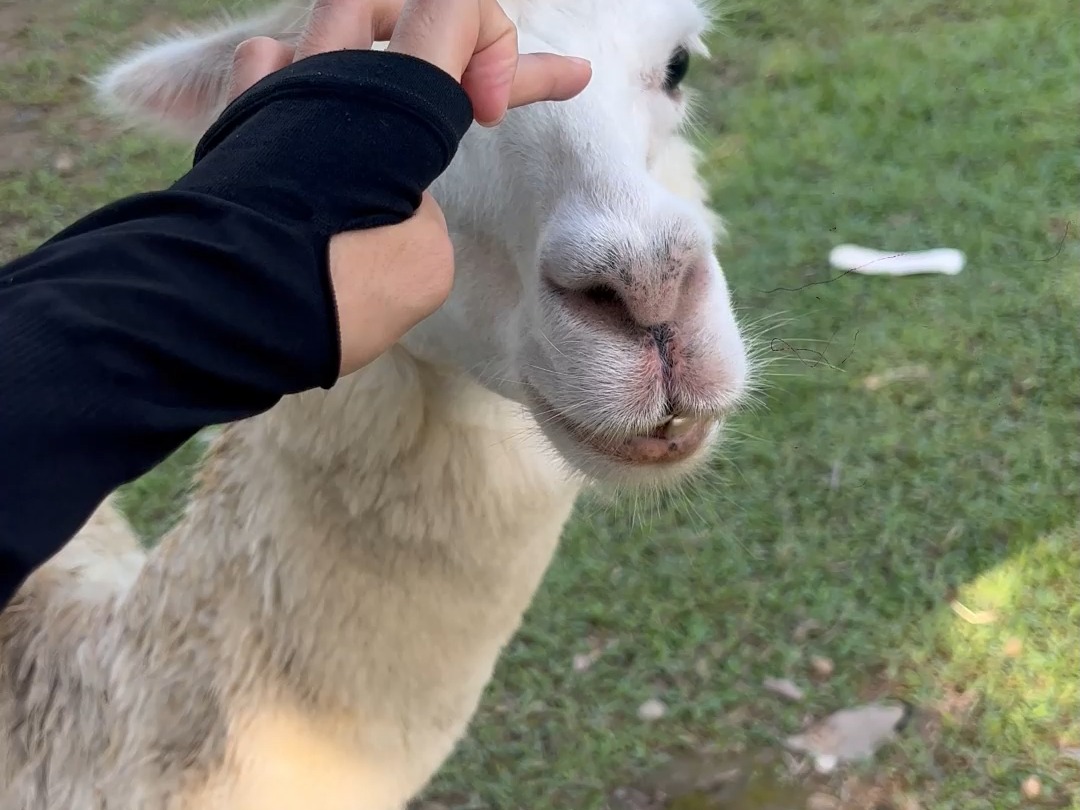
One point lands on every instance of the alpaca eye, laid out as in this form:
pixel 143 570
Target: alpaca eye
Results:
pixel 677 68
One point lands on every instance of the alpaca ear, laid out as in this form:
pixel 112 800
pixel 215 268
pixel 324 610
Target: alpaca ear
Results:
pixel 178 85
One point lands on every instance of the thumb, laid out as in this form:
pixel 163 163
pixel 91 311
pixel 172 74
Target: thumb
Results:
pixel 386 280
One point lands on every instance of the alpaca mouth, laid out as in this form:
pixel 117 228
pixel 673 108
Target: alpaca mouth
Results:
pixel 675 439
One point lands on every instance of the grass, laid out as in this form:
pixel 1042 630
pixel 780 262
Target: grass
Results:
pixel 853 503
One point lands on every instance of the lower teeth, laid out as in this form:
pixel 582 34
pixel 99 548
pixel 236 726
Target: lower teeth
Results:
pixel 677 426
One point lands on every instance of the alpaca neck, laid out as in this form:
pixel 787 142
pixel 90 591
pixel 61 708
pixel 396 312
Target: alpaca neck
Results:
pixel 381 539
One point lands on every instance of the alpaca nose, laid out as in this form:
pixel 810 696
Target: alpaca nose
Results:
pixel 645 289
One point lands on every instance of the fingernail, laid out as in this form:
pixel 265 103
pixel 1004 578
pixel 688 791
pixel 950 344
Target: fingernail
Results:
pixel 580 61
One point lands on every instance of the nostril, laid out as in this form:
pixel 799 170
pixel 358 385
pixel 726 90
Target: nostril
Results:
pixel 602 295
pixel 600 302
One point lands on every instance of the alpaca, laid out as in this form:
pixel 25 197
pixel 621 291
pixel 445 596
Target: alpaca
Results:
pixel 322 623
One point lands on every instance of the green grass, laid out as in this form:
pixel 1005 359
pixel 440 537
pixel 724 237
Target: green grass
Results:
pixel 902 124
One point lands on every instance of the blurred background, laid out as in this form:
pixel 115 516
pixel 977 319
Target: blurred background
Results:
pixel 899 518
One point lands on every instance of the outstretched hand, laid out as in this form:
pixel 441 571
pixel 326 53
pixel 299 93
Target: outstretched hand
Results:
pixel 386 280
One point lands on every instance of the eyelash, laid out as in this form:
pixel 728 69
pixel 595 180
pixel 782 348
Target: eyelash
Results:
pixel 676 69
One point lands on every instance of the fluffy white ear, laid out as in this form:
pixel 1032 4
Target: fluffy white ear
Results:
pixel 177 85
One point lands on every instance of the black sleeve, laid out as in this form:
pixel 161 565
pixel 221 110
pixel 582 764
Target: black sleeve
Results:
pixel 163 313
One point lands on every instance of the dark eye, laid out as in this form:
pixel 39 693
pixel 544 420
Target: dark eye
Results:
pixel 677 68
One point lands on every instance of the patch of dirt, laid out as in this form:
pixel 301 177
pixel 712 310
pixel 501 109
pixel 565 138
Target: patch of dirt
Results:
pixel 20 140
pixel 758 781
pixel 15 20
pixel 18 18
pixel 21 146
pixel 25 120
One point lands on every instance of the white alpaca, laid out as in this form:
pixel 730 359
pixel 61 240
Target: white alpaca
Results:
pixel 320 627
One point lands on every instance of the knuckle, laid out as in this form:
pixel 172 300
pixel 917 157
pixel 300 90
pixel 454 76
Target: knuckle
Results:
pixel 501 21
pixel 246 49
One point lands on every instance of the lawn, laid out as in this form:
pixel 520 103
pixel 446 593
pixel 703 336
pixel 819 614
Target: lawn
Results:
pixel 904 504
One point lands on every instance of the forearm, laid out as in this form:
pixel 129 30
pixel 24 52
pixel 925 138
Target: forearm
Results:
pixel 205 303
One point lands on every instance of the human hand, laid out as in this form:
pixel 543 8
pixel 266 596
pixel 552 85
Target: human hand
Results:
pixel 386 280
pixel 472 40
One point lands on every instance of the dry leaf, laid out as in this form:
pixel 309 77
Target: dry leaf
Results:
pixel 894 375
pixel 784 687
pixel 821 666
pixel 1013 647
pixel 652 709
pixel 972 616
pixel 848 735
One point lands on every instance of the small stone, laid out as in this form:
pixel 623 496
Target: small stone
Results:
pixel 784 687
pixel 1013 647
pixel 702 668
pixel 822 801
pixel 821 666
pixel 583 661
pixel 652 709
pixel 848 735
pixel 64 163
pixel 805 629
pixel 1031 788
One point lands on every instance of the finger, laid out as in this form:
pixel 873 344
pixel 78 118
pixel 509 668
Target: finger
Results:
pixel 337 25
pixel 488 77
pixel 473 37
pixel 548 77
pixel 538 77
pixel 255 59
pixel 475 42
pixel 448 33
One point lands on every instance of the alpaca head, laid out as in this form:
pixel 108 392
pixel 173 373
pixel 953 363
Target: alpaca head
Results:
pixel 586 285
